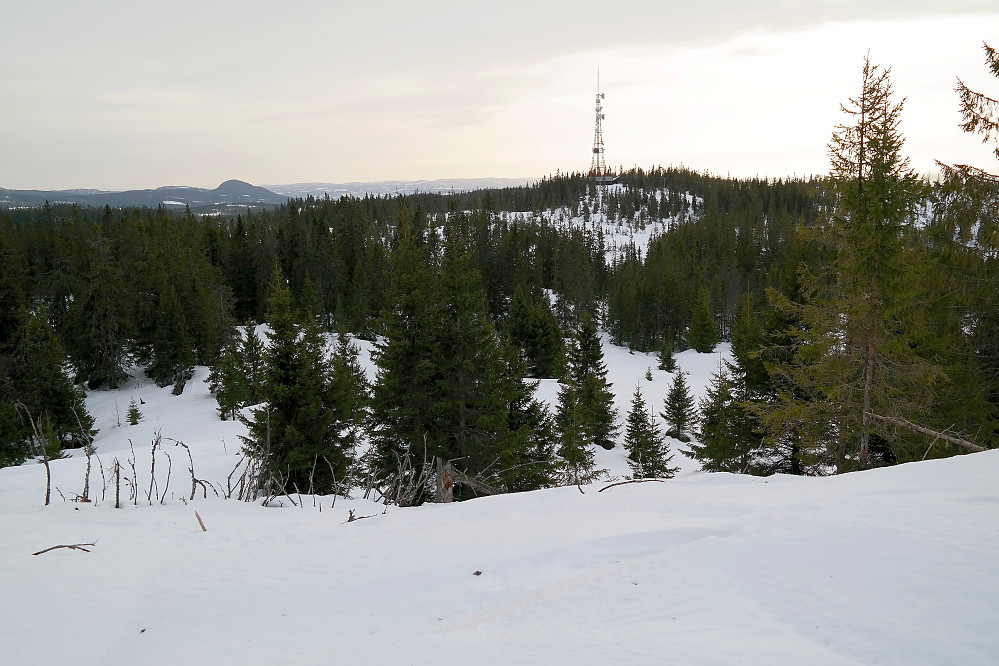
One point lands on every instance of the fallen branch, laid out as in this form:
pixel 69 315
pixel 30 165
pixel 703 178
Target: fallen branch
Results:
pixel 200 522
pixel 621 483
pixel 953 439
pixel 351 517
pixel 71 546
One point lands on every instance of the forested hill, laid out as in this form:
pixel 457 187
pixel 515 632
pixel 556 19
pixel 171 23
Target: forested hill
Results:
pixel 229 195
pixel 234 194
pixel 669 259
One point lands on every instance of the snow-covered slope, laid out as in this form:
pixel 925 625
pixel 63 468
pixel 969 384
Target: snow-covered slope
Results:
pixel 892 566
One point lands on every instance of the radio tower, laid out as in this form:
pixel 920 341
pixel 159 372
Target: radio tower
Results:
pixel 598 167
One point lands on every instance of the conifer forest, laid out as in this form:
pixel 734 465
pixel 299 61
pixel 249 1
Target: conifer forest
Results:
pixel 861 306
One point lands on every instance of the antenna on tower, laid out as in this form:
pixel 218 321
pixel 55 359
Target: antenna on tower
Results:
pixel 598 165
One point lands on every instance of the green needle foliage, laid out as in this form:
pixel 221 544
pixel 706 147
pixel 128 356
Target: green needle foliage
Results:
pixel 133 415
pixel 303 434
pixel 703 332
pixel 679 410
pixel 648 453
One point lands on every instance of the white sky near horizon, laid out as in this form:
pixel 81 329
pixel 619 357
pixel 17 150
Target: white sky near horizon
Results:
pixel 118 95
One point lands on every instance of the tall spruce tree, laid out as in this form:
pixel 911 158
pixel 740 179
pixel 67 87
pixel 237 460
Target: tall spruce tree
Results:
pixel 295 435
pixel 527 459
pixel 648 452
pixel 594 401
pixel 965 235
pixel 35 381
pixel 471 391
pixel 576 461
pixel 13 308
pixel 722 444
pixel 703 332
pixel 679 409
pixel 96 327
pixel 535 329
pixel 403 400
pixel 236 376
pixel 346 395
pixel 441 390
pixel 172 352
pixel 855 364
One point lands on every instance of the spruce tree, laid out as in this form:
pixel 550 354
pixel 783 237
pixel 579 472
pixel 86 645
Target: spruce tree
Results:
pixel 251 352
pixel 36 379
pixel 648 452
pixel 347 395
pixel 679 408
pixel 980 113
pixel 720 445
pixel 664 356
pixel 855 363
pixel 470 396
pixel 237 374
pixel 133 415
pixel 527 455
pixel 959 332
pixel 173 354
pixel 296 435
pixel 594 401
pixel 747 341
pixel 535 329
pixel 227 380
pixel 406 357
pixel 703 332
pixel 441 388
pixel 96 324
pixel 576 460
pixel 964 237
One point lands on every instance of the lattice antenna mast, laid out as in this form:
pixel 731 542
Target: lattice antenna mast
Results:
pixel 598 167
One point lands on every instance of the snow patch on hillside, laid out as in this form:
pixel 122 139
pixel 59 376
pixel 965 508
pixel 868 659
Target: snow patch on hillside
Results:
pixel 890 566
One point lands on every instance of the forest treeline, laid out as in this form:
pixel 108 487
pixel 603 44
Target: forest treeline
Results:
pixel 861 307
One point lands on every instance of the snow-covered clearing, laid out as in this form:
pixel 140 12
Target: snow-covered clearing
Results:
pixel 892 566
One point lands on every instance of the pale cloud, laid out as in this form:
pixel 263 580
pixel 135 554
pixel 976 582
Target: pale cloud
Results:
pixel 124 94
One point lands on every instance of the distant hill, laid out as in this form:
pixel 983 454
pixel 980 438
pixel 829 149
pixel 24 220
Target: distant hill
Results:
pixel 237 193
pixel 228 194
pixel 391 187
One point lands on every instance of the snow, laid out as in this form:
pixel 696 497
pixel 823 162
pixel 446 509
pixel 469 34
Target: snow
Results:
pixel 621 234
pixel 890 566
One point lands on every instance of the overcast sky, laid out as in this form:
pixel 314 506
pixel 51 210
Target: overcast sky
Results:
pixel 117 94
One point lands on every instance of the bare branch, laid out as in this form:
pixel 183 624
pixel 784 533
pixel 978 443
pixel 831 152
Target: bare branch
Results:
pixel 621 483
pixel 953 439
pixel 71 546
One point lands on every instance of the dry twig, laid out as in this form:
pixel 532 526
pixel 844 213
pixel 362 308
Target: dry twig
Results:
pixel 70 546
pixel 621 483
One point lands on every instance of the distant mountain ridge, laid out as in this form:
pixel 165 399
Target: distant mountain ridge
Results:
pixel 230 193
pixel 392 187
pixel 238 193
